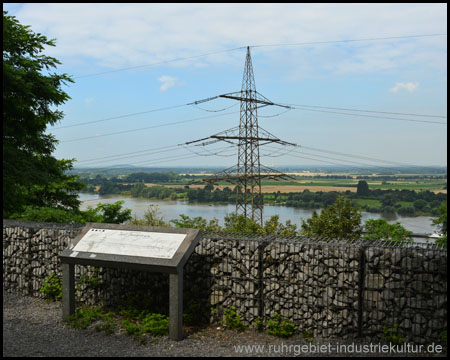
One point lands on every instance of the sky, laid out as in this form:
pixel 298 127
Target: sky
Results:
pixel 127 64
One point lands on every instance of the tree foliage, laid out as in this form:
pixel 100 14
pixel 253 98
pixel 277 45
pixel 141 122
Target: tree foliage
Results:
pixel 102 213
pixel 362 188
pixel 196 223
pixel 151 218
pixel 31 176
pixel 441 223
pixel 113 213
pixel 381 229
pixel 339 221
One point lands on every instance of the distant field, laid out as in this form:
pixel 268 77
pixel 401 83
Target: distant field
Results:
pixel 300 188
pixel 340 185
pixel 274 188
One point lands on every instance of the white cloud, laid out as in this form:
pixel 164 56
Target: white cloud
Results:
pixel 409 86
pixel 120 35
pixel 168 82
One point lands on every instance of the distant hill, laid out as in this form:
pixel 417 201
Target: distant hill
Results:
pixel 331 169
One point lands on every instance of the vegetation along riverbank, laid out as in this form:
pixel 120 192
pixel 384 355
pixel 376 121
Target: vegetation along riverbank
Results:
pixel 408 195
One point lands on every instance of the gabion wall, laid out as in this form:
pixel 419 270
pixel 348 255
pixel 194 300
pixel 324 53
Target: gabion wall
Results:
pixel 334 289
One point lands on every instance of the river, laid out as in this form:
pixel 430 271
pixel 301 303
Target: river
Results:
pixel 172 209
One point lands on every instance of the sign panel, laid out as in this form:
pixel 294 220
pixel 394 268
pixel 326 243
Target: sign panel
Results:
pixel 130 243
pixel 142 248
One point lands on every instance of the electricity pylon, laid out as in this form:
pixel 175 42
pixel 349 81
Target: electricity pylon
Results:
pixel 247 174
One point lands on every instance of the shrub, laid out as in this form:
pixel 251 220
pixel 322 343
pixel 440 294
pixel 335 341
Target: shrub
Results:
pixel 85 317
pixel 156 324
pixel 308 335
pixel 279 327
pixel 233 320
pixel 393 335
pixel 388 209
pixel 93 281
pixel 259 324
pixel 133 330
pixel 108 325
pixel 52 287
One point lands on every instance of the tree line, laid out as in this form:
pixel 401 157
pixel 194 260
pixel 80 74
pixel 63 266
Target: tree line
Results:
pixel 404 202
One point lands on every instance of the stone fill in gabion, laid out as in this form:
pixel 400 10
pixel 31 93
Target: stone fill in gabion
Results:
pixel 328 288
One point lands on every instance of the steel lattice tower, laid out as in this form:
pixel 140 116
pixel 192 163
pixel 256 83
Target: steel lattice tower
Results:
pixel 248 191
pixel 247 175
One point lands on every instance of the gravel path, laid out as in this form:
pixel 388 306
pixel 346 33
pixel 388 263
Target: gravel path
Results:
pixel 33 327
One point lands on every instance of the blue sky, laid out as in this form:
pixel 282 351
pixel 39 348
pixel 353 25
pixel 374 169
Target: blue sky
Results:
pixel 407 75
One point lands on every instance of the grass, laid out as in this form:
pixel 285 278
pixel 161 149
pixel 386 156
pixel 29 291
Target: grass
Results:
pixel 405 203
pixel 417 185
pixel 368 202
pixel 409 186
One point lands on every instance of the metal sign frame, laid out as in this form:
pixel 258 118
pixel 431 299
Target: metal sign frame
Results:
pixel 174 267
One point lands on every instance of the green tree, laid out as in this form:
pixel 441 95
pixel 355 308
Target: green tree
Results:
pixel 387 200
pixel 273 226
pixel 103 213
pixel 340 220
pixel 209 187
pixel 197 223
pixel 241 224
pixel 31 176
pixel 46 214
pixel 420 204
pixel 381 229
pixel 113 213
pixel 151 218
pixel 329 198
pixel 441 223
pixel 362 188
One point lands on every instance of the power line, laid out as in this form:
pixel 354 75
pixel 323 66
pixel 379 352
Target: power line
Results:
pixel 267 116
pixel 155 152
pixel 132 156
pixel 349 161
pixel 327 162
pixel 157 161
pixel 209 153
pixel 120 117
pixel 254 46
pixel 143 153
pixel 148 127
pixel 158 63
pixel 367 158
pixel 226 108
pixel 145 161
pixel 355 156
pixel 138 113
pixel 270 116
pixel 133 152
pixel 372 111
pixel 373 116
pixel 352 40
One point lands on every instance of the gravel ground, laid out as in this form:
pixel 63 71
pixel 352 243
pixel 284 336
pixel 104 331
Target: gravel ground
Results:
pixel 33 327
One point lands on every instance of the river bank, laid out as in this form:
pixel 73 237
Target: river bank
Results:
pixel 172 209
